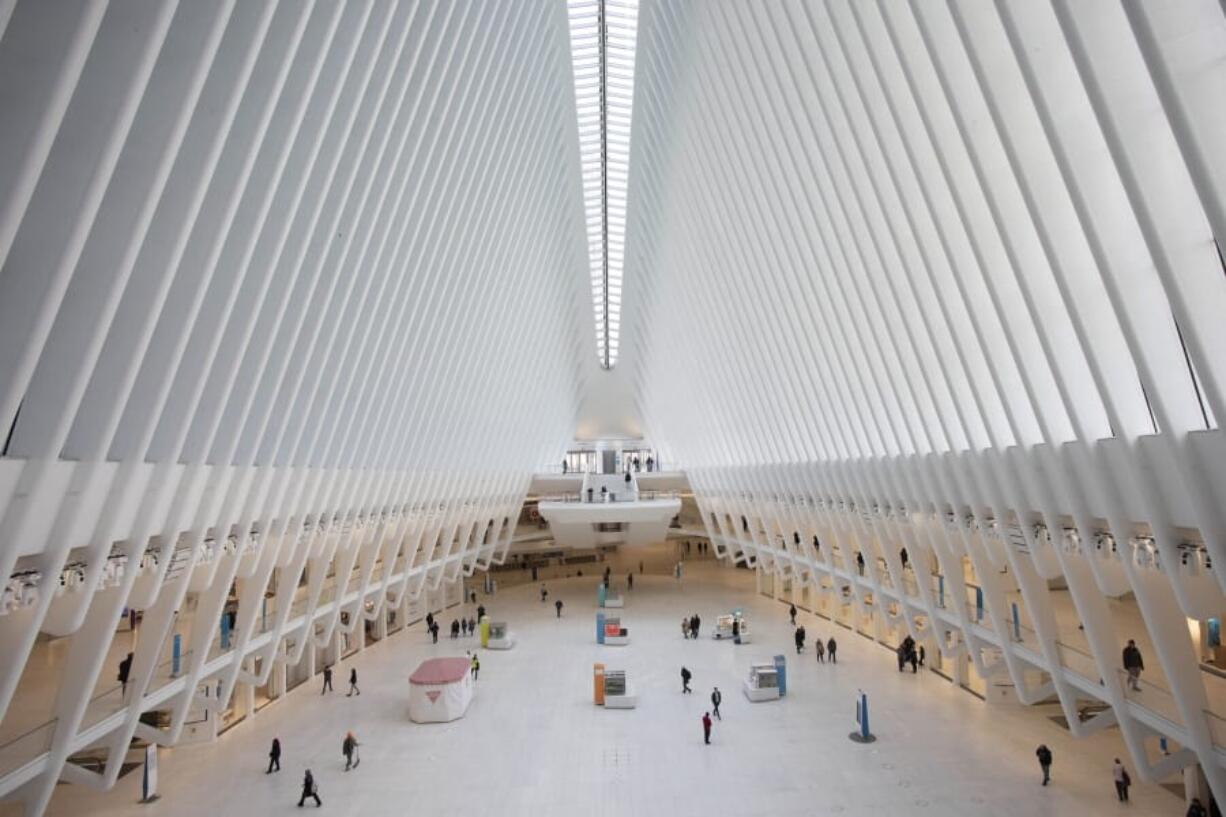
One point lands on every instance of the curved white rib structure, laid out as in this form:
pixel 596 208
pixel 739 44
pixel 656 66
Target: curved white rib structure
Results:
pixel 289 290
pixel 943 276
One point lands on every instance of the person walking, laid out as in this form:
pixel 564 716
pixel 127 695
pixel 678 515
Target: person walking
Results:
pixel 309 789
pixel 353 682
pixel 697 624
pixel 1122 780
pixel 1133 664
pixel 125 669
pixel 472 626
pixel 557 606
pixel 819 650
pixel 640 567
pixel 429 621
pixel 685 680
pixel 685 628
pixel 327 679
pixel 792 614
pixel 831 648
pixel 860 562
pixel 799 638
pixel 630 580
pixel 480 612
pixel 434 632
pixel 1044 756
pixel 544 594
pixel 716 698
pixel 349 748
pixel 706 728
pixel 1195 809
pixel 476 666
pixel 274 757
pixel 455 628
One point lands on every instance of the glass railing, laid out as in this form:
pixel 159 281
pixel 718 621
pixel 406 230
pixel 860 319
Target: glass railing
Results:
pixel 1217 729
pixel 1152 695
pixel 104 704
pixel 1079 662
pixel 27 746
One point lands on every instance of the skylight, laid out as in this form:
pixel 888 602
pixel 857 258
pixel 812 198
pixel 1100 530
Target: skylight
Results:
pixel 602 37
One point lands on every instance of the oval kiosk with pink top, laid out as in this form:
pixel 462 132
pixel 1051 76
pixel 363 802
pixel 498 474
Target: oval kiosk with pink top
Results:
pixel 440 690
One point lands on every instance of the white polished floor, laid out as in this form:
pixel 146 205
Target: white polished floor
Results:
pixel 533 743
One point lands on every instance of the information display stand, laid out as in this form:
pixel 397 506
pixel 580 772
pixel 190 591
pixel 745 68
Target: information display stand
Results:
pixel 500 636
pixel 611 689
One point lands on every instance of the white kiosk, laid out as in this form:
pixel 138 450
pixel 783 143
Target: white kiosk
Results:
pixel 762 683
pixel 732 626
pixel 440 690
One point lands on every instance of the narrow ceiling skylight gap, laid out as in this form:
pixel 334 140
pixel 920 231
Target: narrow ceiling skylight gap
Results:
pixel 602 35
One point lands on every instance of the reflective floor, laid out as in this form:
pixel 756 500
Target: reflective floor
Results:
pixel 533 743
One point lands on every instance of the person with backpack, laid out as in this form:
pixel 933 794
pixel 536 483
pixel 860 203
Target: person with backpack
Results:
pixel 309 789
pixel 685 680
pixel 349 748
pixel 274 756
pixel 716 698
pixel 1044 756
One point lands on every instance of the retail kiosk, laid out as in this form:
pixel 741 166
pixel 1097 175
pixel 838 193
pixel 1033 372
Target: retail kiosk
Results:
pixel 762 683
pixel 733 627
pixel 440 690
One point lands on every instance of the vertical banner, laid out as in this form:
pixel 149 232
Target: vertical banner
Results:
pixel 149 783
pixel 978 604
pixel 781 669
pixel 225 631
pixel 1017 624
pixel 176 655
pixel 862 734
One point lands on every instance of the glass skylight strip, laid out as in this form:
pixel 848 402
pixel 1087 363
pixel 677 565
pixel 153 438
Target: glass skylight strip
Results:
pixel 602 37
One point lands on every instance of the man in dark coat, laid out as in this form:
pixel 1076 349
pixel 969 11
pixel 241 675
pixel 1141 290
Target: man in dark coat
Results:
pixel 274 756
